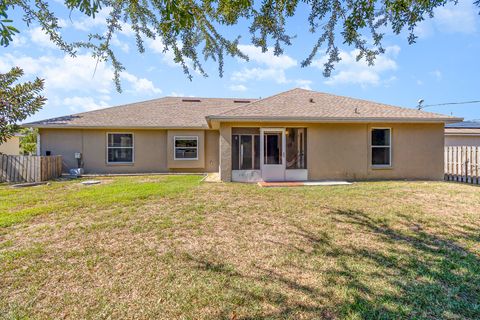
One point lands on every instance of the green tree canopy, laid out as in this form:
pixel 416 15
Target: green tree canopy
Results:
pixel 28 141
pixel 17 101
pixel 195 30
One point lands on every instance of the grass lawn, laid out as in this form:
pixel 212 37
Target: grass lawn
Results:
pixel 171 247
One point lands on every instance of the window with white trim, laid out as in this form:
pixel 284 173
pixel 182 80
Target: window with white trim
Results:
pixel 381 147
pixel 186 148
pixel 120 147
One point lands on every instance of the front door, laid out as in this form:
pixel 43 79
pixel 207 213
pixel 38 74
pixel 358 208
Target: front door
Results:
pixel 272 154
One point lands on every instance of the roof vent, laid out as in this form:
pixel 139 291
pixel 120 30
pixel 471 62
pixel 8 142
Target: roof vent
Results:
pixel 191 100
pixel 241 101
pixel 311 100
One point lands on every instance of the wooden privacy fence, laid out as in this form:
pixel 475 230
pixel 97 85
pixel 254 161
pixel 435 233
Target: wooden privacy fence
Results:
pixel 29 168
pixel 462 163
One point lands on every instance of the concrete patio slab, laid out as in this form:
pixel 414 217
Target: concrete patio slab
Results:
pixel 264 184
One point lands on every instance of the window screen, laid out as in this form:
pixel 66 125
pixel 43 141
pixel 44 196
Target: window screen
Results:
pixel 381 147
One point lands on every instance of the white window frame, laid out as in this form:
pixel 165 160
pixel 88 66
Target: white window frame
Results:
pixel 375 146
pixel 184 138
pixel 132 147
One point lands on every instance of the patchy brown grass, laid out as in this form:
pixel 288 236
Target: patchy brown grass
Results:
pixel 169 247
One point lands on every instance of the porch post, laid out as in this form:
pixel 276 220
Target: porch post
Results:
pixel 225 153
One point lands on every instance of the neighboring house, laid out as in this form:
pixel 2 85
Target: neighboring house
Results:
pixel 295 135
pixel 466 133
pixel 11 146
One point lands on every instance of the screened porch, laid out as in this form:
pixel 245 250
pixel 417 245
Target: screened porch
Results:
pixel 269 154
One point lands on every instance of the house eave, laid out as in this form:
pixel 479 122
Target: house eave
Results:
pixel 462 134
pixel 40 126
pixel 330 120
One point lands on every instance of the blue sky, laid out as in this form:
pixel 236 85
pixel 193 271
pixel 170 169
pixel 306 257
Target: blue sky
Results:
pixel 443 66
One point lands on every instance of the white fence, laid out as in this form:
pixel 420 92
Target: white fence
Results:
pixel 462 163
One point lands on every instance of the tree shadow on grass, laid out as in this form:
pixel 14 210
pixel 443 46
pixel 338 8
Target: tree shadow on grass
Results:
pixel 247 288
pixel 427 277
pixel 434 278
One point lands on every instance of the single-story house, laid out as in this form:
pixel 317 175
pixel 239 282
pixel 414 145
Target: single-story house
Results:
pixel 294 135
pixel 11 147
pixel 466 133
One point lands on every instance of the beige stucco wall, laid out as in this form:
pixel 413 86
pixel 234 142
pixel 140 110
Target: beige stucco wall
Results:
pixel 342 151
pixel 11 146
pixel 225 152
pixel 334 151
pixel 153 150
pixel 459 140
pixel 212 150
pixel 62 142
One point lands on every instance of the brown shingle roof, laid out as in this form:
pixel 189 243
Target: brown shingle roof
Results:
pixel 295 105
pixel 301 104
pixel 168 112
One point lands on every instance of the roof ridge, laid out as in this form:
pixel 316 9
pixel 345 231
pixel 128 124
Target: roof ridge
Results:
pixel 379 103
pixel 212 98
pixel 334 95
pixel 290 102
pixel 259 100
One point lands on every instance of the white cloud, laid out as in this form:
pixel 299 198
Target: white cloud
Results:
pixel 269 66
pixel 19 41
pixel 140 85
pixel 40 38
pixel 67 79
pixel 62 23
pixel 437 74
pixel 278 75
pixel 451 18
pixel 424 29
pixel 4 66
pixel 120 44
pixel 351 71
pixel 126 29
pixel 88 23
pixel 267 58
pixel 156 45
pixel 80 75
pixel 76 104
pixel 460 18
pixel 304 84
pixel 167 56
pixel 65 73
pixel 85 23
pixel 238 87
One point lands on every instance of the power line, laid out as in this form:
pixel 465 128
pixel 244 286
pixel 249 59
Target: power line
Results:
pixel 448 103
pixel 444 104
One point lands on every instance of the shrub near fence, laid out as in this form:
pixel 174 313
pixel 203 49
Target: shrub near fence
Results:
pixel 29 168
pixel 462 163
